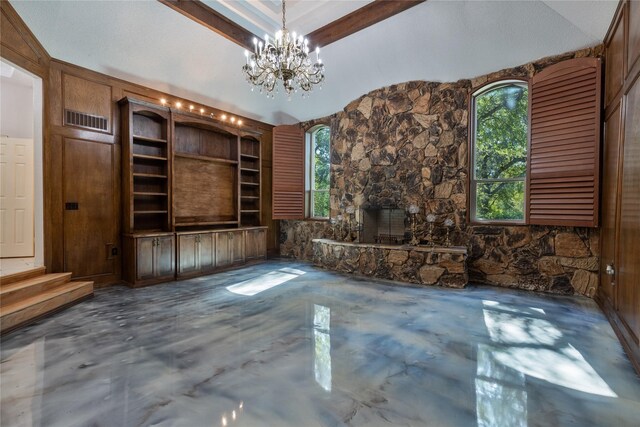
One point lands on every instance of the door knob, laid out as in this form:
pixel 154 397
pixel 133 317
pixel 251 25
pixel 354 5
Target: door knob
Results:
pixel 610 270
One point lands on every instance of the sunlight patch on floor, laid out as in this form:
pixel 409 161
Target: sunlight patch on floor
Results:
pixel 264 282
pixel 535 347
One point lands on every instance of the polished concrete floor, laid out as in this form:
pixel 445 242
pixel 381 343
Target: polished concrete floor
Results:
pixel 284 344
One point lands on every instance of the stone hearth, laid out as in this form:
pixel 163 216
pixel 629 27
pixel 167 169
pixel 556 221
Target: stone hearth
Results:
pixel 426 265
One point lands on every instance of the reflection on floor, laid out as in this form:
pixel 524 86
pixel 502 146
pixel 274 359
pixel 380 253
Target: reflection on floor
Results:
pixel 284 344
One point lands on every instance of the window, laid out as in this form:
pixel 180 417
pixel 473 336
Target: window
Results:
pixel 318 178
pixel 499 152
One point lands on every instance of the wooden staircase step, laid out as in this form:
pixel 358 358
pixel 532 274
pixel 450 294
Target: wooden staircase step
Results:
pixel 23 275
pixel 45 302
pixel 26 288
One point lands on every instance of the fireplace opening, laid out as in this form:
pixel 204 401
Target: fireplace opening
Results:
pixel 383 225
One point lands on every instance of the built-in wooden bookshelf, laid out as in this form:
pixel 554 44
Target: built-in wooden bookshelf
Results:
pixel 146 167
pixel 250 180
pixel 192 194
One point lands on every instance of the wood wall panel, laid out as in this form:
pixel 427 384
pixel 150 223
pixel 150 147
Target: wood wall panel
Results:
pixel 614 59
pixel 194 181
pixel 74 97
pixel 633 41
pixel 610 156
pixel 91 231
pixel 19 45
pixel 629 259
pixel 621 172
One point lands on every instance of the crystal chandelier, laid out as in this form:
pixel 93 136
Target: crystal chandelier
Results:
pixel 284 58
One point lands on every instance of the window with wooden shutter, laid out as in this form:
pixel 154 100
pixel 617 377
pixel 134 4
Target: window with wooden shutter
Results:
pixel 288 172
pixel 565 144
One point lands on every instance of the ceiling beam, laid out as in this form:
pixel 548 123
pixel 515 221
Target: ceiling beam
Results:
pixel 204 15
pixel 366 16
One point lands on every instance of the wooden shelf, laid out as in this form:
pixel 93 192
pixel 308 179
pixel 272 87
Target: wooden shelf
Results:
pixel 250 197
pixel 256 184
pixel 250 170
pixel 148 157
pixel 148 193
pixel 148 212
pixel 198 223
pixel 206 158
pixel 149 139
pixel 149 175
pixel 250 211
pixel 250 156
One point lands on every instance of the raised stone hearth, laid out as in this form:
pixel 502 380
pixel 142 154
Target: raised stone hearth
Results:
pixel 426 265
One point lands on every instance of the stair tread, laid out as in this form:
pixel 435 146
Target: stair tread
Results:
pixel 32 281
pixel 22 275
pixel 42 297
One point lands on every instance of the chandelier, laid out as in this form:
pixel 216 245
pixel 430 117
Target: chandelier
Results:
pixel 286 58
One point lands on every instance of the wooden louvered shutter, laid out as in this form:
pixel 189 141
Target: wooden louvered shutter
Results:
pixel 565 144
pixel 288 172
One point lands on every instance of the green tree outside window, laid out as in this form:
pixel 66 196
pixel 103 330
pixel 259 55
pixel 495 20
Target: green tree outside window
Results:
pixel 500 144
pixel 320 165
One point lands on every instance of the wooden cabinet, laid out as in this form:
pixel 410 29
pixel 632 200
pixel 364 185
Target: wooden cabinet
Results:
pixel 229 247
pixel 196 253
pixel 255 243
pixel 151 258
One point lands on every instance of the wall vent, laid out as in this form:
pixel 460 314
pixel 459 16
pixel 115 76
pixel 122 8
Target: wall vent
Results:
pixel 84 120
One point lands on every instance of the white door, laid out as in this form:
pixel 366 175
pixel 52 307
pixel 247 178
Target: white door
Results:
pixel 16 197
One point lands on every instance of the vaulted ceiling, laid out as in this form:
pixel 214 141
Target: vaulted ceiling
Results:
pixel 148 43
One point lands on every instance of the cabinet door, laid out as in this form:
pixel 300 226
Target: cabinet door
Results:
pixel 164 256
pixel 145 248
pixel 236 245
pixel 187 254
pixel 255 244
pixel 207 251
pixel 223 254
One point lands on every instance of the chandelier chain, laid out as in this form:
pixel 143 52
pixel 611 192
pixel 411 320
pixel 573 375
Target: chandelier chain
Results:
pixel 284 10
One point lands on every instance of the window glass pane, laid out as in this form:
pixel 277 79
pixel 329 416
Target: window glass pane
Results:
pixel 321 204
pixel 500 200
pixel 321 159
pixel 501 133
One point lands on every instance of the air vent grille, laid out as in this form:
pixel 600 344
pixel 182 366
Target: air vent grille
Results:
pixel 85 120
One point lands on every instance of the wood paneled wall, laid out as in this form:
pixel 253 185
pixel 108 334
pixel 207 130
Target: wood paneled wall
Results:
pixel 619 294
pixel 82 165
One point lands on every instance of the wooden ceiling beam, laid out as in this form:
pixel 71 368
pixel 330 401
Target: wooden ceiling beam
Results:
pixel 366 16
pixel 204 15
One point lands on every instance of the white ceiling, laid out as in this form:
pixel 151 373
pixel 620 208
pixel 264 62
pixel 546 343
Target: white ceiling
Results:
pixel 148 43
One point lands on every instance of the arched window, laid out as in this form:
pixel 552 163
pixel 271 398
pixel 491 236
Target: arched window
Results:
pixel 499 145
pixel 318 167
